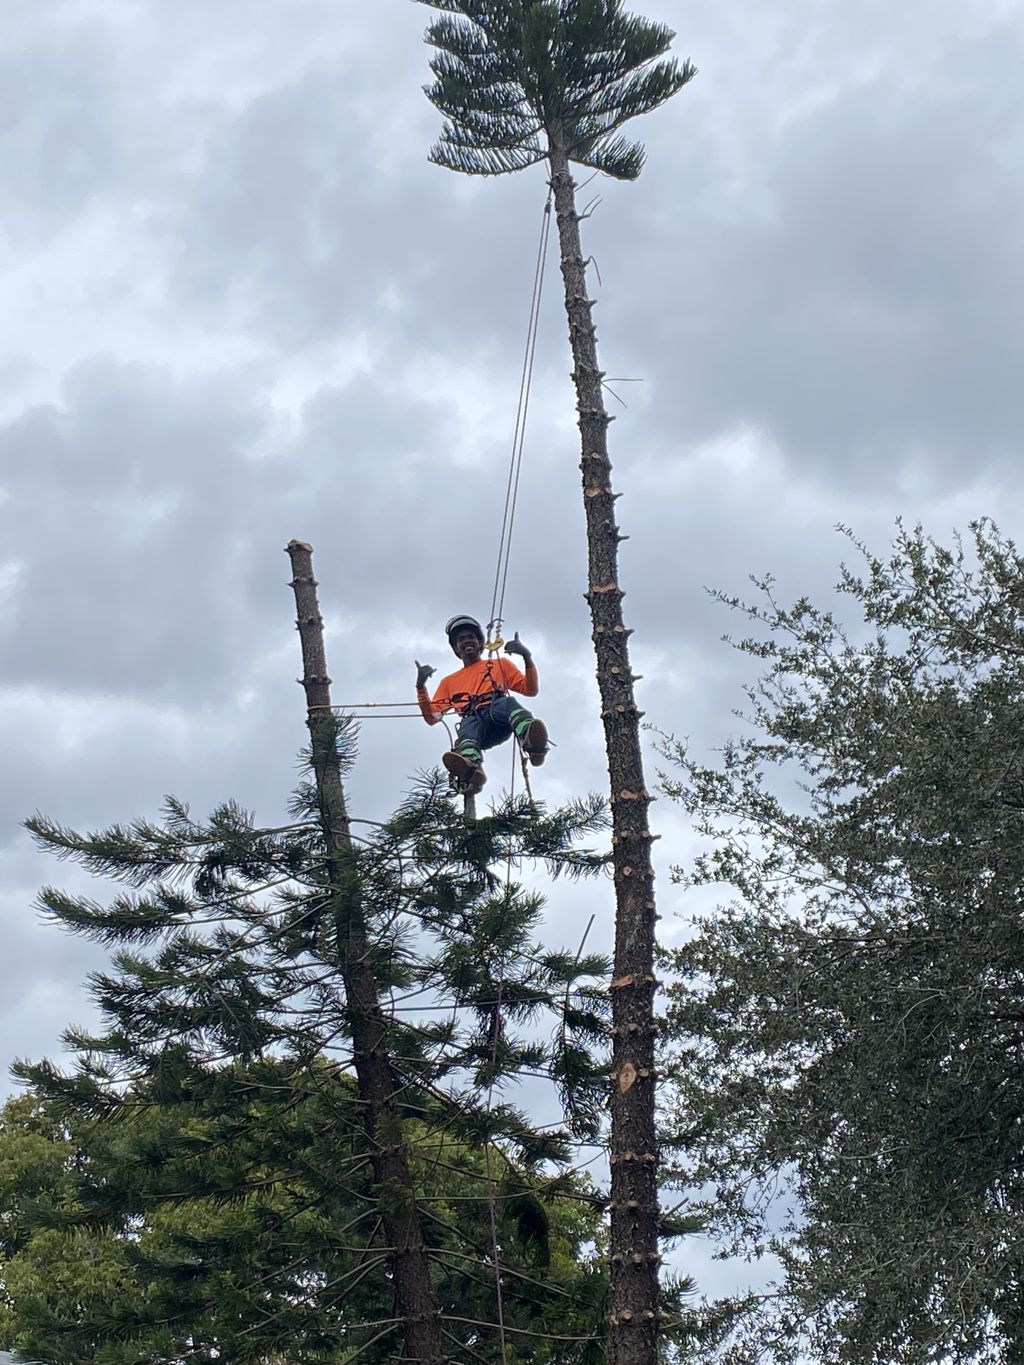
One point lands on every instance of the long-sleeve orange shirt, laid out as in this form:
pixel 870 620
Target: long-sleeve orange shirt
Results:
pixel 482 680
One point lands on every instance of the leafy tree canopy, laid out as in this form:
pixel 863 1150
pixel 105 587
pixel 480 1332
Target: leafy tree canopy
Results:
pixel 201 1233
pixel 850 1028
pixel 513 77
pixel 220 1158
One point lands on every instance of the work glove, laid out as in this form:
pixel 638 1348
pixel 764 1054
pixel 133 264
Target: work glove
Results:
pixel 423 672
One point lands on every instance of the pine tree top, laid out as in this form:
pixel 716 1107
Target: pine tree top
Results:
pixel 516 79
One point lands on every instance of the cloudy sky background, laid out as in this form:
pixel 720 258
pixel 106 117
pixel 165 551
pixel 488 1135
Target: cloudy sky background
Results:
pixel 238 305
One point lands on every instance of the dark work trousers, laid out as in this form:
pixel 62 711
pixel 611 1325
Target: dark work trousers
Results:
pixel 484 726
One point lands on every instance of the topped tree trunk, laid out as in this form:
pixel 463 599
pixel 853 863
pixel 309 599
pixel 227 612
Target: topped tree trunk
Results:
pixel 633 1156
pixel 520 82
pixel 253 970
pixel 415 1301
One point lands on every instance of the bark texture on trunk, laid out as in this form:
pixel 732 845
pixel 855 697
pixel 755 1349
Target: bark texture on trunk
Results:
pixel 415 1301
pixel 633 1308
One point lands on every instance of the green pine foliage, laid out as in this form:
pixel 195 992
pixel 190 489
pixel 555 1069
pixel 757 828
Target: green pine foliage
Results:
pixel 220 1167
pixel 848 1074
pixel 512 77
pixel 226 947
pixel 237 1229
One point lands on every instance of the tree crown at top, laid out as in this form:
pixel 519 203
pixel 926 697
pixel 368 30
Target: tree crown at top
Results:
pixel 515 78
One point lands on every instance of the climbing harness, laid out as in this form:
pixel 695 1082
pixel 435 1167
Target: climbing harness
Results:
pixel 492 642
pixel 491 639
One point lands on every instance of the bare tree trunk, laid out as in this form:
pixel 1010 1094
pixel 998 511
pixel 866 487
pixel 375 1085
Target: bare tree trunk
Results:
pixel 633 1336
pixel 416 1303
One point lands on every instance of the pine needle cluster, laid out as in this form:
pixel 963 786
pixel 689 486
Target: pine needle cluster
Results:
pixel 219 1096
pixel 514 77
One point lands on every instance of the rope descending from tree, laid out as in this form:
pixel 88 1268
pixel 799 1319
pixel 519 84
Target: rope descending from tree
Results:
pixel 491 1204
pixel 494 641
pixel 526 777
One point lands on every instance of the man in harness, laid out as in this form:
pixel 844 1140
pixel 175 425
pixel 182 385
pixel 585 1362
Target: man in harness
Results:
pixel 479 693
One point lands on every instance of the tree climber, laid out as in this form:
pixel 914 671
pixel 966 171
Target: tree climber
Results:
pixel 479 693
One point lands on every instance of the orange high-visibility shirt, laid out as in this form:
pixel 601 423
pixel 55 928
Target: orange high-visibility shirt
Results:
pixel 482 679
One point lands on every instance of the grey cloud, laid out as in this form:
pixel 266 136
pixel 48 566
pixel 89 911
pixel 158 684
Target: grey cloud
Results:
pixel 73 132
pixel 297 227
pixel 858 304
pixel 124 515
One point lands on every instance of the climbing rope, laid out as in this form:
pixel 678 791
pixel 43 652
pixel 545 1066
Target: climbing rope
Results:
pixel 491 1201
pixel 494 641
pixel 499 1301
pixel 352 709
pixel 363 705
pixel 526 776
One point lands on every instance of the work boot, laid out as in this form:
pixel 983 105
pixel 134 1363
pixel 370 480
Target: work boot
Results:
pixel 535 742
pixel 466 777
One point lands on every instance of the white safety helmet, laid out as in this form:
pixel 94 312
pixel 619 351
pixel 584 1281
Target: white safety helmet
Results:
pixel 458 623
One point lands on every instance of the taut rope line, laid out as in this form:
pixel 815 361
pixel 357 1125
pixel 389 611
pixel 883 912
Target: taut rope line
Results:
pixel 519 437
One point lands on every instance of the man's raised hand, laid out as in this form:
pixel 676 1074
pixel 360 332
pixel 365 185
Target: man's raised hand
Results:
pixel 423 672
pixel 516 646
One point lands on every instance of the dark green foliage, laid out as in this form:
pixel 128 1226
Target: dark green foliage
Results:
pixel 220 1157
pixel 849 1029
pixel 248 1225
pixel 514 76
pixel 244 946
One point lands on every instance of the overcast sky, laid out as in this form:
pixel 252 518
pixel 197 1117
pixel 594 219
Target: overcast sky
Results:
pixel 238 305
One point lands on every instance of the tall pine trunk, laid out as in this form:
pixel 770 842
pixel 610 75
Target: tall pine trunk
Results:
pixel 415 1301
pixel 633 1308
